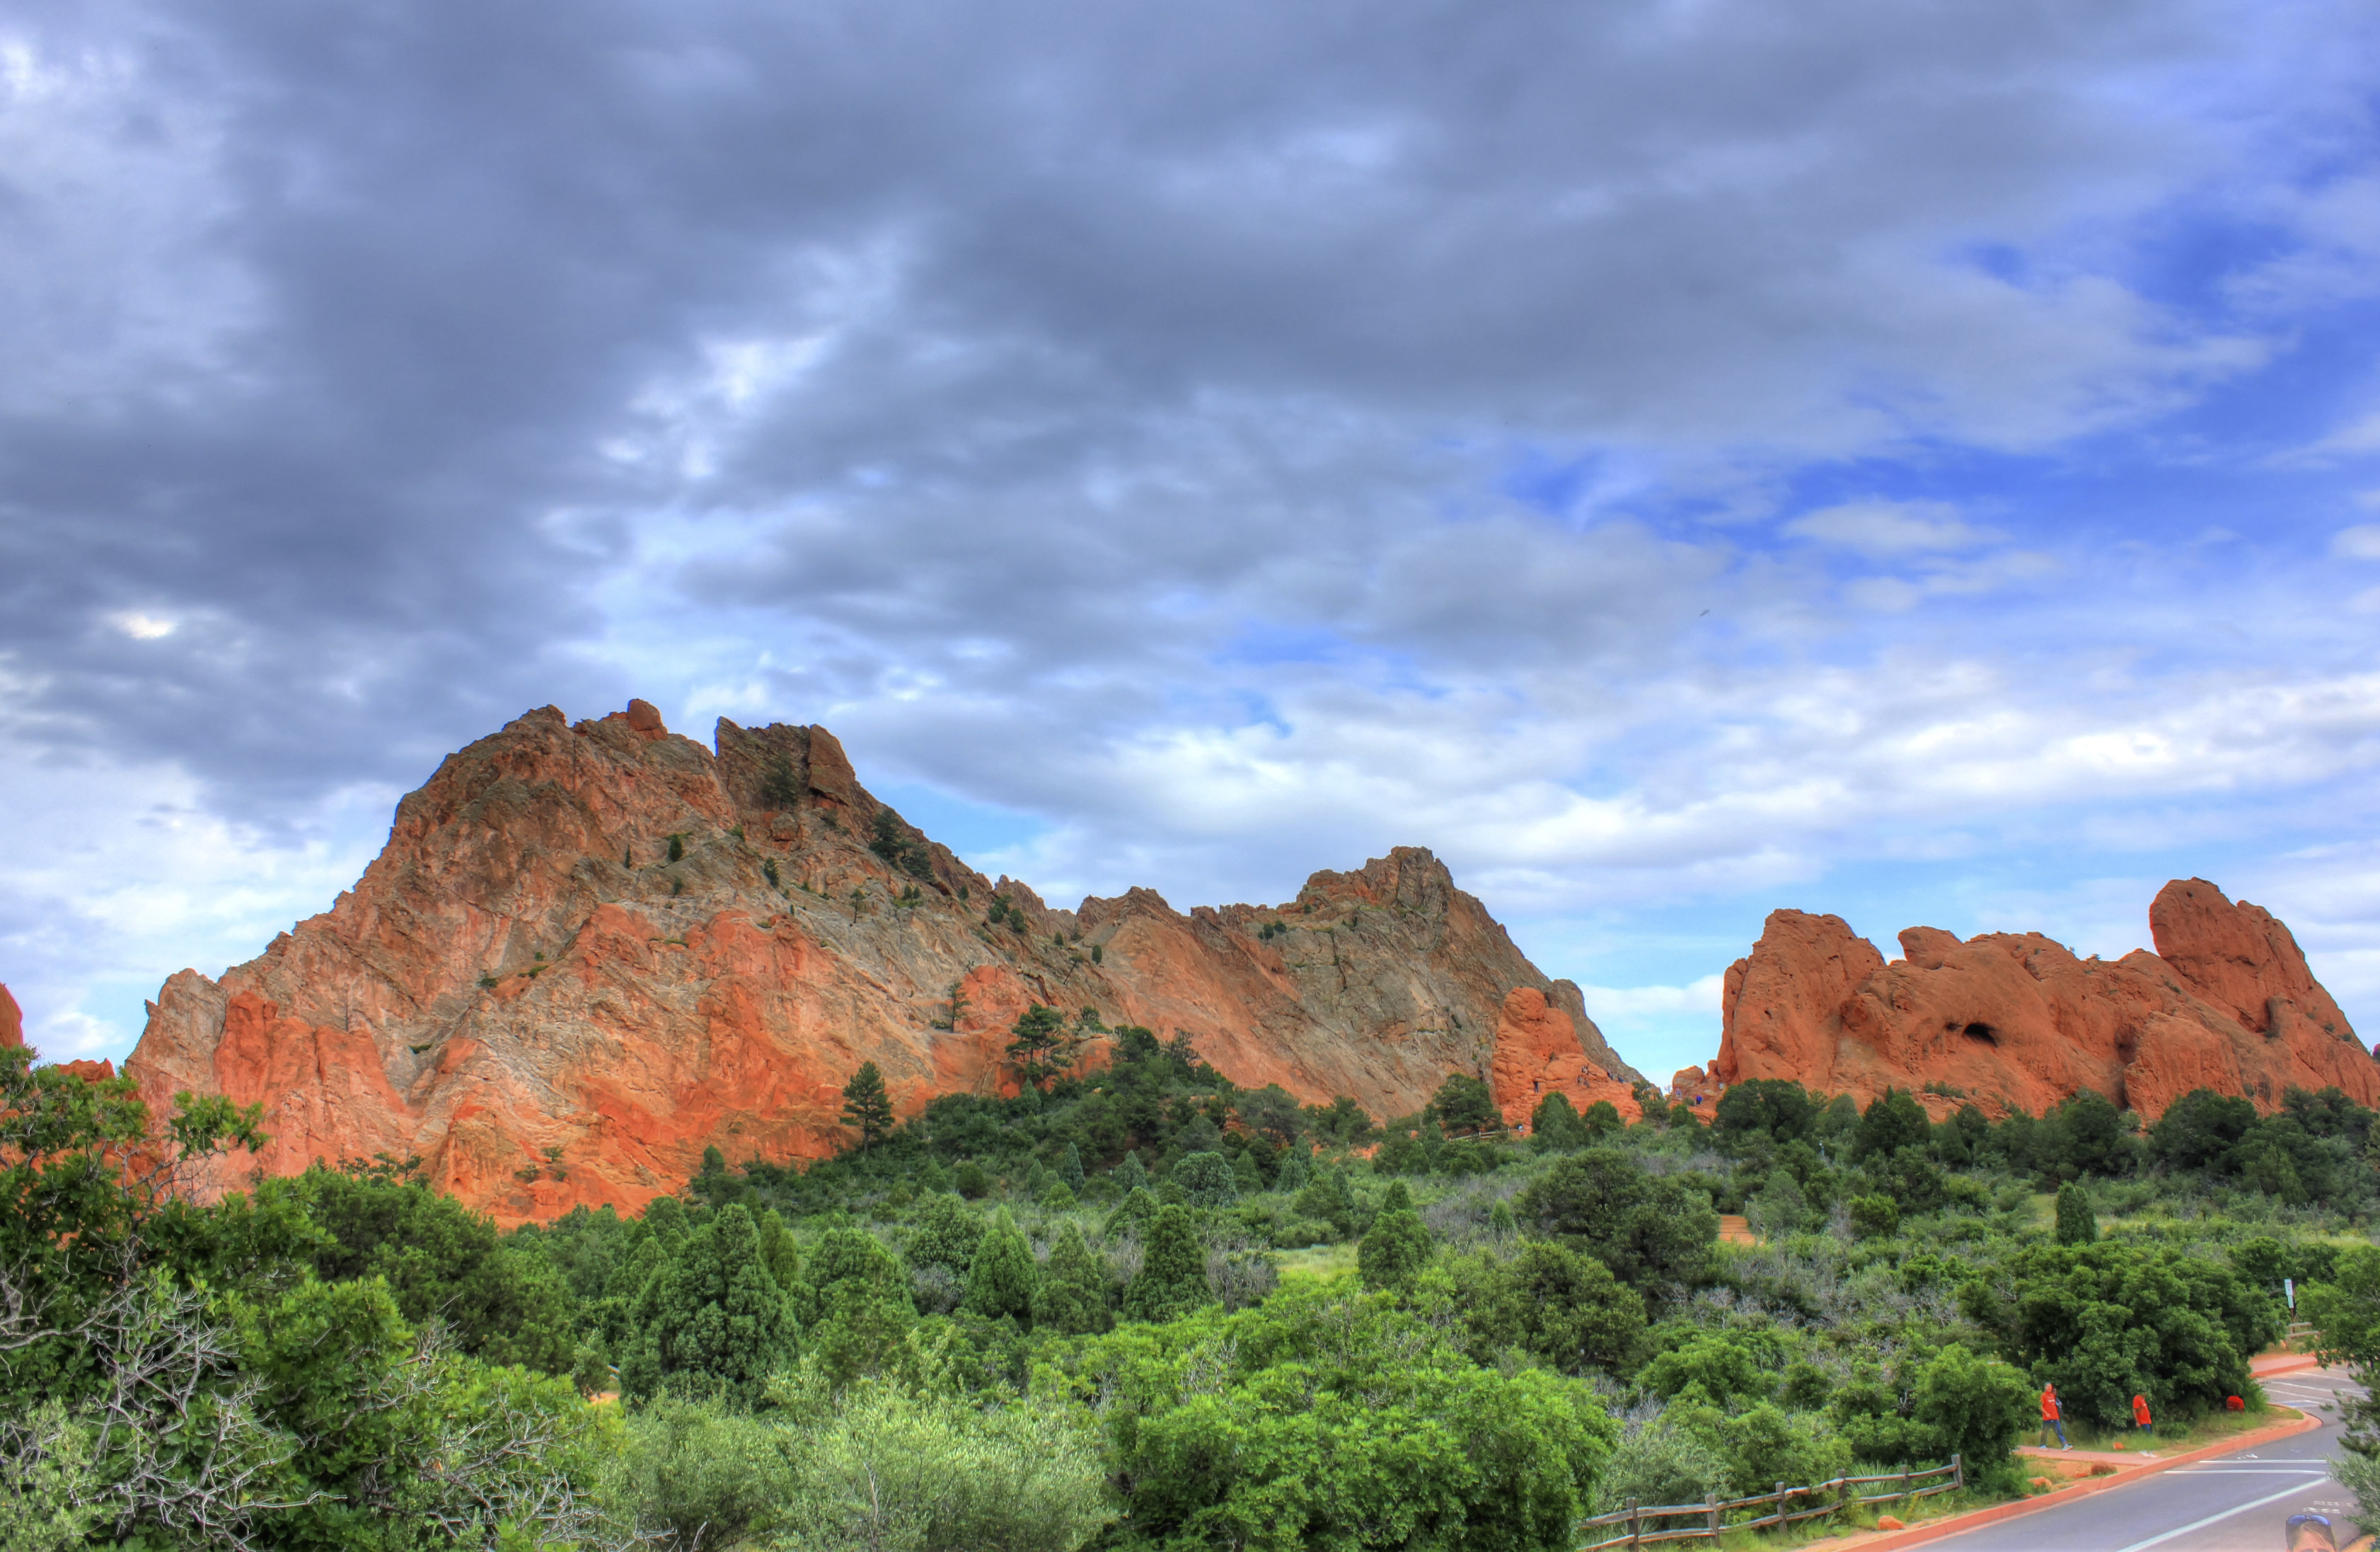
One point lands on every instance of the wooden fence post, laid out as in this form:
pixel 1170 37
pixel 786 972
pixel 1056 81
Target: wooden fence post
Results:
pixel 1958 1472
pixel 1904 1485
pixel 1711 1498
pixel 1780 1503
pixel 1635 1526
pixel 1845 1492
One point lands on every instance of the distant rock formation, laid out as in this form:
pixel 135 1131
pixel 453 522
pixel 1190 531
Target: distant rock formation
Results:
pixel 2226 1003
pixel 12 1021
pixel 589 952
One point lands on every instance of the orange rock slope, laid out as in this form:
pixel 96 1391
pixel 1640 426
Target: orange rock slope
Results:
pixel 589 951
pixel 2226 1003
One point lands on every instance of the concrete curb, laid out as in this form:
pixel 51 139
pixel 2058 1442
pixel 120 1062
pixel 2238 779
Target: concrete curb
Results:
pixel 1917 1536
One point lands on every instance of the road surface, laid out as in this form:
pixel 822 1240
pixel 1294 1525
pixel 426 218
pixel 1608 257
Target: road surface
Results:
pixel 2233 1503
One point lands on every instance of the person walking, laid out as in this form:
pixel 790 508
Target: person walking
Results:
pixel 2052 1417
pixel 2141 1412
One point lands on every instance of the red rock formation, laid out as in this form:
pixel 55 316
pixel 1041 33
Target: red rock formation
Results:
pixel 528 993
pixel 12 1021
pixel 2226 1002
pixel 1538 1052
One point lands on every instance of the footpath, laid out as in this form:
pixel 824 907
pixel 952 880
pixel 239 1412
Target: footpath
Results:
pixel 2087 1471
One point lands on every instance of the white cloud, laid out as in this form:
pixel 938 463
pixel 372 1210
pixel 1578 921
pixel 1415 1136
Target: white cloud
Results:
pixel 2359 543
pixel 1889 528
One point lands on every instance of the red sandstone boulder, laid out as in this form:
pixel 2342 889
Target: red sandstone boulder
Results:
pixel 12 1021
pixel 524 968
pixel 2012 1020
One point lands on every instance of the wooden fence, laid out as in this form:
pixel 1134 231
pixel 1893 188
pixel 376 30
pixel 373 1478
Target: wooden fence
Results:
pixel 1710 1516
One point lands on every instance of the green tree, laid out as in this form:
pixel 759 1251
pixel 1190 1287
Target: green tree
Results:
pixel 1975 1407
pixel 866 1106
pixel 1293 1171
pixel 1560 1307
pixel 1272 1113
pixel 2106 1320
pixel 1395 1249
pixel 1041 1045
pixel 716 1317
pixel 1070 1167
pixel 1131 1175
pixel 1874 1216
pixel 2345 1310
pixel 1074 1300
pixel 1172 1277
pixel 1651 1233
pixel 1005 1278
pixel 1780 1208
pixel 944 1233
pixel 1894 1120
pixel 1775 1111
pixel 498 1298
pixel 1465 1103
pixel 1206 1181
pixel 1555 1125
pixel 2076 1225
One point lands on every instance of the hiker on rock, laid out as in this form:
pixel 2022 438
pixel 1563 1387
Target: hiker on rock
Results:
pixel 2141 1412
pixel 2051 1417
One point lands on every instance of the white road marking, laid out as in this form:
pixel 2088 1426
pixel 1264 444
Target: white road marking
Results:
pixel 2214 1519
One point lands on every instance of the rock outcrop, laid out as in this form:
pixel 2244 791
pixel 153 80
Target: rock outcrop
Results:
pixel 589 951
pixel 2014 1019
pixel 12 1021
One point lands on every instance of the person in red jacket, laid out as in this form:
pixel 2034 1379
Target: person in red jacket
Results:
pixel 2051 1417
pixel 2141 1412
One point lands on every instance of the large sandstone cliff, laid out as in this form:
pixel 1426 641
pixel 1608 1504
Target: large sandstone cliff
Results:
pixel 2226 1003
pixel 527 990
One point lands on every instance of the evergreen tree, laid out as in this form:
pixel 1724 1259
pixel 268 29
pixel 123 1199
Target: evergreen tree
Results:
pixel 1293 1172
pixel 1003 1281
pixel 1893 1122
pixel 1132 1174
pixel 1132 1214
pixel 1395 1251
pixel 1070 1167
pixel 1780 1208
pixel 932 1177
pixel 779 1253
pixel 1396 1199
pixel 2076 1223
pixel 1464 1104
pixel 1327 1197
pixel 1555 1124
pixel 1206 1181
pixel 866 1107
pixel 716 1317
pixel 1173 1279
pixel 945 1232
pixel 1073 1301
pixel 1246 1175
pixel 1041 1046
pixel 1501 1221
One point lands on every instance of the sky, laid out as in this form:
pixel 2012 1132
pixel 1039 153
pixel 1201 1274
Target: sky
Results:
pixel 1674 458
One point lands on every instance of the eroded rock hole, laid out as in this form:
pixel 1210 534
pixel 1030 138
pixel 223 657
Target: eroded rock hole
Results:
pixel 1983 1033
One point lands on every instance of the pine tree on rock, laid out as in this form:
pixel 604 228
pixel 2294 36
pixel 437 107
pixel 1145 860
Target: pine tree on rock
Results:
pixel 1073 1301
pixel 2076 1223
pixel 1172 1277
pixel 866 1107
pixel 1005 1278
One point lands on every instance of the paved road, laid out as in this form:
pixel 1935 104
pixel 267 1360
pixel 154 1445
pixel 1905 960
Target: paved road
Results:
pixel 2233 1503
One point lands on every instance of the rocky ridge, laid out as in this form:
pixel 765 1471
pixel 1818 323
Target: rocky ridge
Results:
pixel 589 951
pixel 2225 1002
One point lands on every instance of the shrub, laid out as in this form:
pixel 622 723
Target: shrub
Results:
pixel 1874 1216
pixel 1563 1308
pixel 1650 1232
pixel 1003 1279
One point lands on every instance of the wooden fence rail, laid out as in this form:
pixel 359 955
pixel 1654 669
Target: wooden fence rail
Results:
pixel 1839 1494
